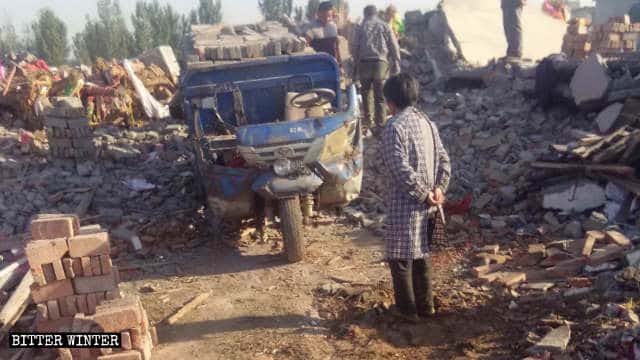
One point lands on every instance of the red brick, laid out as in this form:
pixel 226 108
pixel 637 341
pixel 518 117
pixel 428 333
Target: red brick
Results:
pixel 136 338
pixel 67 264
pixel 119 315
pixel 81 353
pixel 48 273
pixel 62 324
pixel 51 291
pixel 95 266
pixel 64 354
pixel 41 252
pixel 71 306
pixel 89 245
pixel 81 303
pixel 58 270
pixel 85 263
pixel 92 303
pixel 94 284
pixel 126 340
pixel 42 310
pixel 105 264
pixel 76 264
pixel 54 226
pixel 485 269
pixel 64 308
pixel 53 309
pixel 126 355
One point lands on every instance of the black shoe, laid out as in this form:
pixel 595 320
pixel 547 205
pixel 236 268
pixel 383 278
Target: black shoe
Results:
pixel 410 318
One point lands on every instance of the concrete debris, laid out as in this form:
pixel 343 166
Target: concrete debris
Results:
pixel 556 341
pixel 590 81
pixel 607 117
pixel 578 197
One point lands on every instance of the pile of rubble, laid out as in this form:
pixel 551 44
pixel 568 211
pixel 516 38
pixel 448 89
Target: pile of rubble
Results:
pixel 108 90
pixel 140 181
pixel 74 285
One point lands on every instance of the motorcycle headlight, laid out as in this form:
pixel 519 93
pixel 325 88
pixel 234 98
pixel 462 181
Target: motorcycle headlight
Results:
pixel 283 167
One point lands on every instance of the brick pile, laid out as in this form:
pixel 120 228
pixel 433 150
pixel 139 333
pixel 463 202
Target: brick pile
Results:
pixel 576 42
pixel 219 43
pixel 76 288
pixel 68 130
pixel 617 36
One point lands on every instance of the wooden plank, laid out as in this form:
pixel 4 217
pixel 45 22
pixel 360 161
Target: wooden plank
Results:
pixel 188 307
pixel 16 305
pixel 10 272
pixel 618 238
pixel 590 241
pixel 7 84
pixel 608 168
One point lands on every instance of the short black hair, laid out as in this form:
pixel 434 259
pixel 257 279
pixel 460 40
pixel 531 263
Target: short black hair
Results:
pixel 325 6
pixel 370 10
pixel 402 90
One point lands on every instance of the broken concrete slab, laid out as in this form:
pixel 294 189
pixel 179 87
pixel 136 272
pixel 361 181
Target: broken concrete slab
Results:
pixel 590 81
pixel 539 286
pixel 632 258
pixel 476 27
pixel 505 278
pixel 607 117
pixel 574 197
pixel 555 341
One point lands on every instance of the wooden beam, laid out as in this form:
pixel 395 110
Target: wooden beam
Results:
pixel 608 168
pixel 7 84
pixel 16 305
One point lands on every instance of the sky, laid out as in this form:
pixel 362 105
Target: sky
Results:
pixel 73 12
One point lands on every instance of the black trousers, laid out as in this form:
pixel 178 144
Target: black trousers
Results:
pixel 412 286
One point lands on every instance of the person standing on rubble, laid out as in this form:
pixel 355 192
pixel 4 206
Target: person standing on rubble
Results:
pixel 322 33
pixel 394 20
pixel 512 22
pixel 377 55
pixel 420 170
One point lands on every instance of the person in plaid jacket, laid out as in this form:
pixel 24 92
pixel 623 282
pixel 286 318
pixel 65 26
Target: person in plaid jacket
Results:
pixel 420 170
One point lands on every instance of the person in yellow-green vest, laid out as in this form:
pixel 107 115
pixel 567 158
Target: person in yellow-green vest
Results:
pixel 395 21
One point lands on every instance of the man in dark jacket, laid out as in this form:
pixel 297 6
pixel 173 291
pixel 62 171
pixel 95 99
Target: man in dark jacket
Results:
pixel 512 21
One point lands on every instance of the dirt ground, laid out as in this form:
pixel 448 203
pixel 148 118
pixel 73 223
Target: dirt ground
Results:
pixel 331 306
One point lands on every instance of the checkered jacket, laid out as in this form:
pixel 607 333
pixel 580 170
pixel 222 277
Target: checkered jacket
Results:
pixel 416 166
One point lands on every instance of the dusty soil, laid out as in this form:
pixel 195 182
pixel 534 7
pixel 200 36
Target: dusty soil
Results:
pixel 331 306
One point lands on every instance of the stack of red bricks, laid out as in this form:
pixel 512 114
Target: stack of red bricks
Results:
pixel 76 288
pixel 617 36
pixel 125 316
pixel 71 268
pixel 576 43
